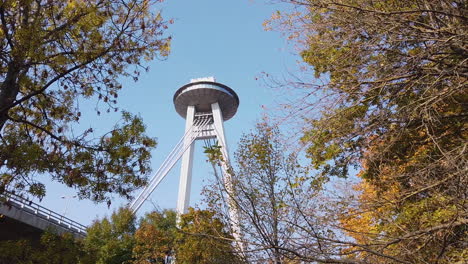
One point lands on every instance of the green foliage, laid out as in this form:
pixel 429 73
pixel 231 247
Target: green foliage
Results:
pixel 15 251
pixel 214 153
pixel 117 240
pixel 155 237
pixel 269 192
pixel 395 86
pixel 200 237
pixel 203 239
pixel 51 248
pixel 112 240
pixel 55 55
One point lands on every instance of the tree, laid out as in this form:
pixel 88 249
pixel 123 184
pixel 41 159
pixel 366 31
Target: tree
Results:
pixel 394 83
pixel 155 237
pixel 54 56
pixel 200 237
pixel 261 191
pixel 51 248
pixel 111 240
pixel 282 216
pixel 203 238
pixel 15 251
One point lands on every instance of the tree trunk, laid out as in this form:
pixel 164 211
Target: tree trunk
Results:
pixel 9 91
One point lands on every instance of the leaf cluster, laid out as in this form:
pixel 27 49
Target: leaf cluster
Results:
pixel 394 75
pixel 54 55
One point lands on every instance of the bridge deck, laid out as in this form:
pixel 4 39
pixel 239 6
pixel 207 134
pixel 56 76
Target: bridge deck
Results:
pixel 23 218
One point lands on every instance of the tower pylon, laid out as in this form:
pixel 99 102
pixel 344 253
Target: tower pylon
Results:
pixel 205 105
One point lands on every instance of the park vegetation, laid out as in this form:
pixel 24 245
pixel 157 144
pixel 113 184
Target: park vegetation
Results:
pixel 119 239
pixel 383 111
pixel 377 173
pixel 387 99
pixel 56 56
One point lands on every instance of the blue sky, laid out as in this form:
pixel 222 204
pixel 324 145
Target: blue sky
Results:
pixel 220 38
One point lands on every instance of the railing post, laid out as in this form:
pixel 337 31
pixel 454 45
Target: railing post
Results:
pixel 44 213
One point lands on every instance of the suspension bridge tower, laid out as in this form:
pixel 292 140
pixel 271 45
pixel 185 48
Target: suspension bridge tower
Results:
pixel 204 104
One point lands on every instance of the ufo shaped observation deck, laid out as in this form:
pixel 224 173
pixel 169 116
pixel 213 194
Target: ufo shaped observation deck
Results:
pixel 202 94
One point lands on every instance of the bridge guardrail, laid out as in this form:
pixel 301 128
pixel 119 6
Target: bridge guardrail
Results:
pixel 41 211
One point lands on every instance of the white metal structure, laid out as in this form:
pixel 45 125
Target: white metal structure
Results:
pixel 166 166
pixel 205 105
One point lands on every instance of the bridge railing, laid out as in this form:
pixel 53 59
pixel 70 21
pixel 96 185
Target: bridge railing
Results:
pixel 42 212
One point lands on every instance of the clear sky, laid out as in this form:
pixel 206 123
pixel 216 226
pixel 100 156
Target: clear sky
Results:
pixel 220 38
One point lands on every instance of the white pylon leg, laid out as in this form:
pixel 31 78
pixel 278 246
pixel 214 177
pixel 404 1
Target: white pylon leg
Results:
pixel 227 178
pixel 185 181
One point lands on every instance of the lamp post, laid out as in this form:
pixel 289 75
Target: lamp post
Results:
pixel 66 203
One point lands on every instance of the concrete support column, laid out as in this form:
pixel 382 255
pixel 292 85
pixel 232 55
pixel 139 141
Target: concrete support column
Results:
pixel 227 177
pixel 185 181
